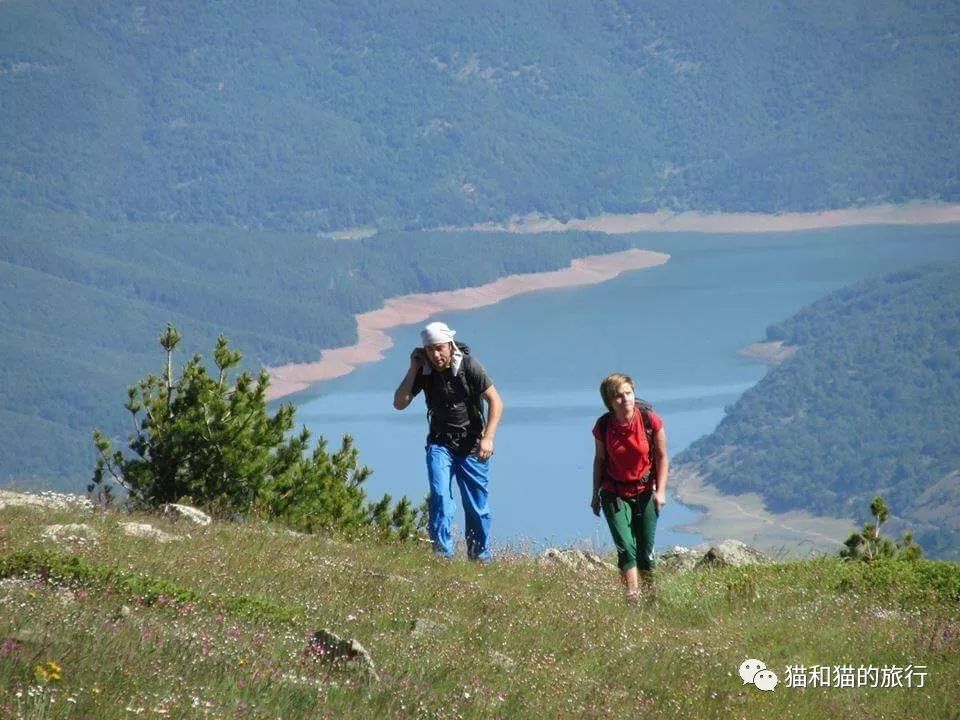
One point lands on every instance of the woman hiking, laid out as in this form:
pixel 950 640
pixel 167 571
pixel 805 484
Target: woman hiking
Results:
pixel 630 467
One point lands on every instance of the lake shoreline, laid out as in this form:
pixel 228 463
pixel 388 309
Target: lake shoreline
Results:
pixel 911 213
pixel 742 517
pixel 794 534
pixel 372 327
pixel 373 339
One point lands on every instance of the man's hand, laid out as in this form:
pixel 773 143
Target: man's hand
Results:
pixel 485 451
pixel 418 358
pixel 595 504
pixel 404 392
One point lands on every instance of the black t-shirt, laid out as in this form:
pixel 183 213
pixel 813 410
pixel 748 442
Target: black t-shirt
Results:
pixel 456 416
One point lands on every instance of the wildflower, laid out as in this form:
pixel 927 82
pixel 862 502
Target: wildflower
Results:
pixel 48 672
pixel 10 647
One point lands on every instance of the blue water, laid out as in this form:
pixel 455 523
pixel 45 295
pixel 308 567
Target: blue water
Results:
pixel 676 329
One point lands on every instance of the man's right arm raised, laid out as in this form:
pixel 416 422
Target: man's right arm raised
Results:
pixel 403 395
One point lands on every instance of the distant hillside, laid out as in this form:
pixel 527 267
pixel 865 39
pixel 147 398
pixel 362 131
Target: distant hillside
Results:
pixel 83 303
pixel 312 116
pixel 192 161
pixel 867 405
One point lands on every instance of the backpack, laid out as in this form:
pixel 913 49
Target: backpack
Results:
pixel 645 408
pixel 473 395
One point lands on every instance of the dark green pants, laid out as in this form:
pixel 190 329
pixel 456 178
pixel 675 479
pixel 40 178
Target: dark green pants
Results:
pixel 633 525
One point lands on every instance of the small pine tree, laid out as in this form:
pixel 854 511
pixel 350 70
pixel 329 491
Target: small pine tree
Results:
pixel 868 545
pixel 207 440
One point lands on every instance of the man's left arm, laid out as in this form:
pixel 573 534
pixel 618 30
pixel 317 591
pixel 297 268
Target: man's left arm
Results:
pixel 494 412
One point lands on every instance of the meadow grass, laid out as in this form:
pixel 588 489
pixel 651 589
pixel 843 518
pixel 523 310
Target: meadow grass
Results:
pixel 218 625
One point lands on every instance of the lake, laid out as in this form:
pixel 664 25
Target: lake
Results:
pixel 675 329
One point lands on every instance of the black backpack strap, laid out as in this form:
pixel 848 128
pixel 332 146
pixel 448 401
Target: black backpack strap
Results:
pixel 602 422
pixel 474 396
pixel 645 410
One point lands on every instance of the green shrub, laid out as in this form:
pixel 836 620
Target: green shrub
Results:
pixel 868 545
pixel 205 439
pixel 907 582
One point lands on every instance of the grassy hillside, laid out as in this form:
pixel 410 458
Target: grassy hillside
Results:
pixel 217 624
pixel 866 405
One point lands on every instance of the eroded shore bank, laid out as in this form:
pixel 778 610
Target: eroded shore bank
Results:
pixel 372 327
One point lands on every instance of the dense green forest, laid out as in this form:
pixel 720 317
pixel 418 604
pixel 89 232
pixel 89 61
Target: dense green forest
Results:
pixel 84 302
pixel 321 115
pixel 866 406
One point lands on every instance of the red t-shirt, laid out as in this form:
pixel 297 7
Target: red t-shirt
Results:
pixel 627 455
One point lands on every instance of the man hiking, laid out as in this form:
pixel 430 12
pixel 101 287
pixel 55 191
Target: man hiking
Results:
pixel 459 442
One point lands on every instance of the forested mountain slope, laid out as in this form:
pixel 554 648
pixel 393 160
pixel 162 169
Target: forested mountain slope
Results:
pixel 868 405
pixel 323 115
pixel 191 161
pixel 84 302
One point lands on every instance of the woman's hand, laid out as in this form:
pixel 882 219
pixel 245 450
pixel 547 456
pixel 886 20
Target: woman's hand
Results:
pixel 659 500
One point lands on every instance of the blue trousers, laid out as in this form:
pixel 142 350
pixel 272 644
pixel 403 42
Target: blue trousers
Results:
pixel 471 474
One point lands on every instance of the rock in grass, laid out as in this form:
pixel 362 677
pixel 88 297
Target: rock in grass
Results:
pixel 186 512
pixel 422 627
pixel 71 532
pixel 145 530
pixel 576 560
pixel 504 662
pixel 732 553
pixel 330 648
pixel 46 499
pixel 679 559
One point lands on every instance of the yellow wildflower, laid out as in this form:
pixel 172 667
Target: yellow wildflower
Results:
pixel 50 671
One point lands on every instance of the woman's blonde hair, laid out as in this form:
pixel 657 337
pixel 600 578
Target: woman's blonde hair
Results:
pixel 608 388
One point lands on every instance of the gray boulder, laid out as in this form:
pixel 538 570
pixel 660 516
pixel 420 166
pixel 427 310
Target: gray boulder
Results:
pixel 186 512
pixel 424 627
pixel 71 532
pixel 502 661
pixel 576 560
pixel 46 499
pixel 732 553
pixel 145 530
pixel 331 649
pixel 679 559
